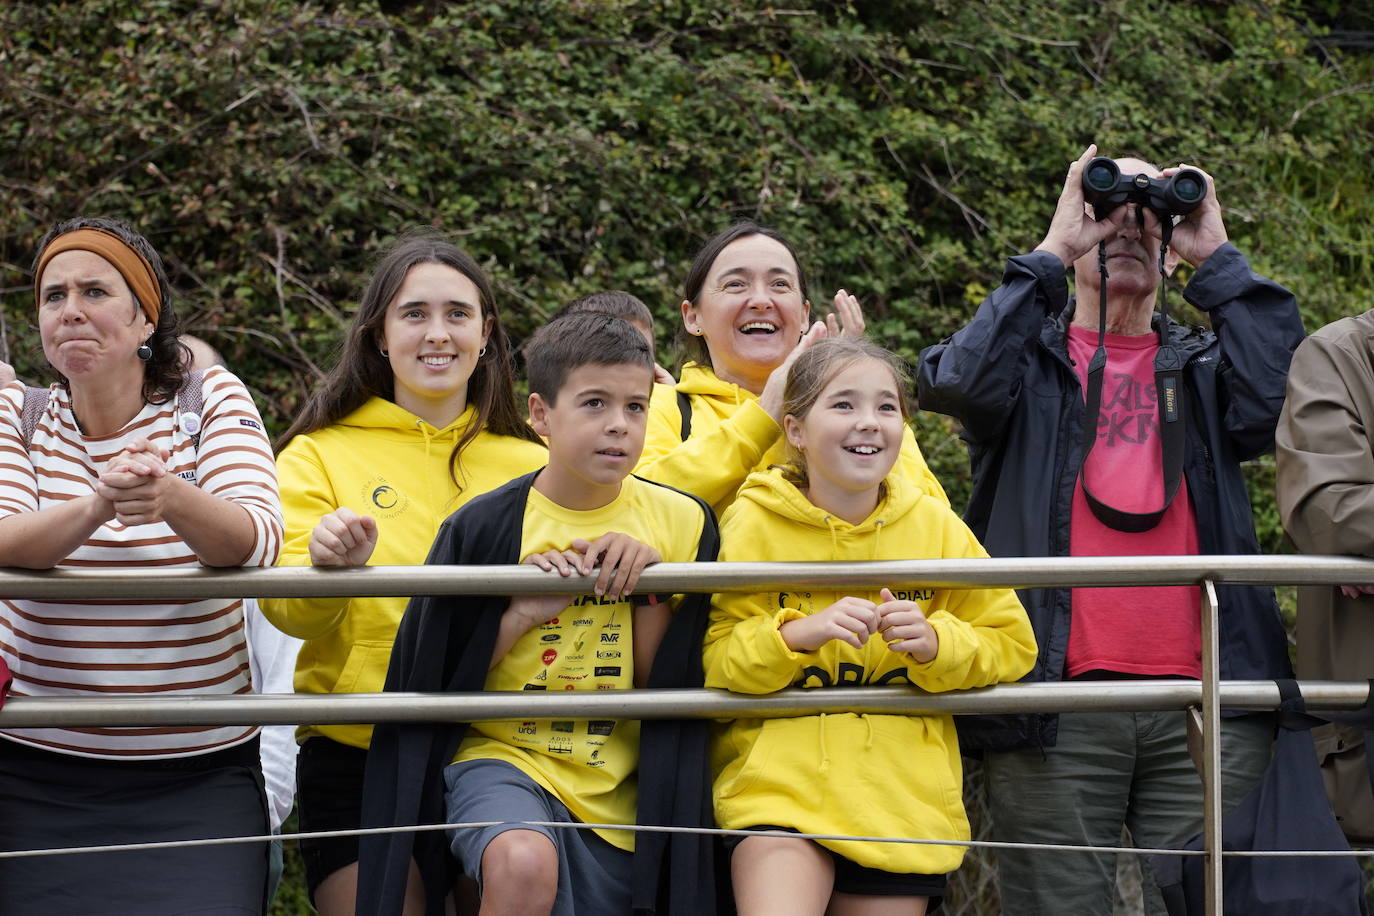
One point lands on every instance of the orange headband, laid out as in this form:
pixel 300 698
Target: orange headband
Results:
pixel 132 266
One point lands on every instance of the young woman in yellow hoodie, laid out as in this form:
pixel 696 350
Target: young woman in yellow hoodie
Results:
pixel 418 417
pixel 840 499
pixel 745 318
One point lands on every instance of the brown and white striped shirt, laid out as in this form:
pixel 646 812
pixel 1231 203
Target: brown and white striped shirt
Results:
pixel 99 647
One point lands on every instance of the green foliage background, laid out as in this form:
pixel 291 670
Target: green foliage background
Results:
pixel 269 148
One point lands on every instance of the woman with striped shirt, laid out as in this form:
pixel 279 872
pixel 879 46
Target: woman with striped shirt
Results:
pixel 128 462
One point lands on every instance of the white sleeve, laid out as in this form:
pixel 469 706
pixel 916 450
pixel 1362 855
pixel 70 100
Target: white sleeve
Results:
pixel 273 656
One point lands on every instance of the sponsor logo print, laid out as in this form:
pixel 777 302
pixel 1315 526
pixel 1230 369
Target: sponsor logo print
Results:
pixel 549 655
pixel 610 638
pixel 535 687
pixel 583 622
pixel 607 654
pixel 526 728
pixel 251 424
pixel 584 600
pixel 609 671
pixel 600 727
pixel 561 726
pixel 914 594
pixel 550 637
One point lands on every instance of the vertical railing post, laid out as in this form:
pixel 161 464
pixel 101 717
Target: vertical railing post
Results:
pixel 1211 750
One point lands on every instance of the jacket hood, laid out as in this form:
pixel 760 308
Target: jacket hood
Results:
pixel 702 380
pixel 379 413
pixel 1189 339
pixel 772 491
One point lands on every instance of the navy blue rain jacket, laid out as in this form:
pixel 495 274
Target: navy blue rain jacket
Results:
pixel 1007 378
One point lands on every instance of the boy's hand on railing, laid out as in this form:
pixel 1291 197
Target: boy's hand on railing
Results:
pixel 850 620
pixel 906 629
pixel 565 561
pixel 621 558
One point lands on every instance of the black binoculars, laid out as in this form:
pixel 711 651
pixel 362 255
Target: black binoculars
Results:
pixel 1106 189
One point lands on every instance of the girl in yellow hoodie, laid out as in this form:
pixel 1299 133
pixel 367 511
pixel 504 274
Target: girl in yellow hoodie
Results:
pixel 745 318
pixel 418 417
pixel 857 775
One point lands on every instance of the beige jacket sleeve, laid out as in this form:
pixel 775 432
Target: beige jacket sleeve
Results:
pixel 1325 464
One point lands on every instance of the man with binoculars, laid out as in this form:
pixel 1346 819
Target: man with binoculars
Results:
pixel 1101 427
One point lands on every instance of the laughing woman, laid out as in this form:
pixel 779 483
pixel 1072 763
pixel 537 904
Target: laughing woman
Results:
pixel 128 462
pixel 418 417
pixel 745 319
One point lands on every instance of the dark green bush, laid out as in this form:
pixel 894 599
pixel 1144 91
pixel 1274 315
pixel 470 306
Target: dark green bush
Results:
pixel 270 147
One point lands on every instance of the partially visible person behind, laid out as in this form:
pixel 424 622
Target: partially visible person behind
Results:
pixel 1016 378
pixel 838 499
pixel 6 373
pixel 745 315
pixel 417 417
pixel 273 657
pixel 619 304
pixel 111 469
pixel 1325 482
pixel 590 379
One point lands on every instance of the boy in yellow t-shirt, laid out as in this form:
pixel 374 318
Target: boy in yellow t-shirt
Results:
pixel 590 379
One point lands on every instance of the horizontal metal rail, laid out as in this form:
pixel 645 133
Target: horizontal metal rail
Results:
pixel 670 578
pixel 362 708
pixel 673 578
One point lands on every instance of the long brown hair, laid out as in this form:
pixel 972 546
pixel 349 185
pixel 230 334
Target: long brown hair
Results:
pixel 362 372
pixel 816 368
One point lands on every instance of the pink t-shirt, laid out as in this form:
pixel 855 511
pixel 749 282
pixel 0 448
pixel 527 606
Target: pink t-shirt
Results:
pixel 1144 631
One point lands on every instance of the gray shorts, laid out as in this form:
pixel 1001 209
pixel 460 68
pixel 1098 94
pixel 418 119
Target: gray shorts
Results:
pixel 593 875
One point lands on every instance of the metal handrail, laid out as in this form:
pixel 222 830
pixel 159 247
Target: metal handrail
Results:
pixel 366 708
pixel 1210 694
pixel 674 578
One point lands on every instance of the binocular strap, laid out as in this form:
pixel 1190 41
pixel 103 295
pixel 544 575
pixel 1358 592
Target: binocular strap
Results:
pixel 1169 402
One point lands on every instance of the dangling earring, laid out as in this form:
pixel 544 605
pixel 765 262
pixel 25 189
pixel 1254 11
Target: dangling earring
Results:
pixel 144 352
pixel 482 352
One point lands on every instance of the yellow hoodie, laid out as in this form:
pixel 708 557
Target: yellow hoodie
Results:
pixel 383 461
pixel 731 437
pixel 859 775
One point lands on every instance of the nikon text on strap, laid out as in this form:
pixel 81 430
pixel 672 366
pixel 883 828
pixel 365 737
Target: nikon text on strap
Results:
pixel 1168 401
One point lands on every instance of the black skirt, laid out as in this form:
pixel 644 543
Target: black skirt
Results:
pixel 52 800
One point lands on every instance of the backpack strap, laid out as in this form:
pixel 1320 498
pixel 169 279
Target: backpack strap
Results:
pixel 684 406
pixel 35 402
pixel 191 400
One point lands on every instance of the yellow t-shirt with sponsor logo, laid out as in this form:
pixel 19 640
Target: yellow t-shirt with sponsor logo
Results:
pixel 589 765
